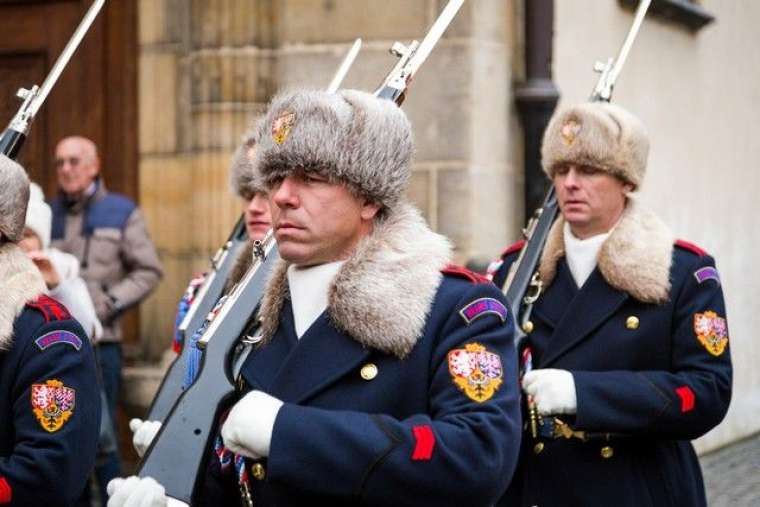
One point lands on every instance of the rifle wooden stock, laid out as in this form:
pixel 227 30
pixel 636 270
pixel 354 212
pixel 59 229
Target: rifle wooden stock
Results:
pixel 178 453
pixel 208 295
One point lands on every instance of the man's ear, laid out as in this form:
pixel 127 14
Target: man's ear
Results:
pixel 370 210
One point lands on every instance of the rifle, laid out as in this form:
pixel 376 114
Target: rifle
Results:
pixel 208 294
pixel 523 285
pixel 213 285
pixel 184 437
pixel 15 134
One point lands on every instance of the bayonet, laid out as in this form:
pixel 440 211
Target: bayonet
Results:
pixel 412 57
pixel 348 60
pixel 610 70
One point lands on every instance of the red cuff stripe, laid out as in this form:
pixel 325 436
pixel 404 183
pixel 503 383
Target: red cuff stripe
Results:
pixel 687 398
pixel 425 442
pixel 5 491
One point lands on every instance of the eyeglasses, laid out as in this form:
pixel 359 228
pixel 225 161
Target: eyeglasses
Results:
pixel 73 161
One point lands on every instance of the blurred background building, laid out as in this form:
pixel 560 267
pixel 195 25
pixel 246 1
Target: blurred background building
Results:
pixel 167 87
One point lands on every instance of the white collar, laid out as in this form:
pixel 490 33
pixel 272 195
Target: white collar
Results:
pixel 308 292
pixel 582 254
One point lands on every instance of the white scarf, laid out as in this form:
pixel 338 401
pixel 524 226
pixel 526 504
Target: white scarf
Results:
pixel 308 292
pixel 582 254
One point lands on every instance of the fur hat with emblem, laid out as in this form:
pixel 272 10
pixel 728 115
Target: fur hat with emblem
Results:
pixel 597 134
pixel 243 181
pixel 14 198
pixel 349 136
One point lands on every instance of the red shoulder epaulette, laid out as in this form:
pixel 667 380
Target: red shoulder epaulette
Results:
pixel 49 308
pixel 462 272
pixel 690 247
pixel 516 247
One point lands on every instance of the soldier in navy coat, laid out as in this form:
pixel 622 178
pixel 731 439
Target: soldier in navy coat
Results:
pixel 49 402
pixel 627 357
pixel 378 375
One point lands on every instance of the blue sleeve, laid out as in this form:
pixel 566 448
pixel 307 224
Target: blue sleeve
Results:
pixel 54 448
pixel 683 402
pixel 459 452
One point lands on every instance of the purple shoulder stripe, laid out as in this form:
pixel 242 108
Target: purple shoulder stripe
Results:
pixel 707 273
pixel 54 337
pixel 483 306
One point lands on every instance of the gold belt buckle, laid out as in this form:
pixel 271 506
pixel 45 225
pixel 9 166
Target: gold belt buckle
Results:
pixel 563 430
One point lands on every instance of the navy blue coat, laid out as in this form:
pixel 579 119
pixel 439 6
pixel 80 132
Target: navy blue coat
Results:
pixel 654 384
pixel 46 459
pixel 408 436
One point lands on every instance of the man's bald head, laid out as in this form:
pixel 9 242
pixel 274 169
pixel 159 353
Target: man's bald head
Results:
pixel 77 164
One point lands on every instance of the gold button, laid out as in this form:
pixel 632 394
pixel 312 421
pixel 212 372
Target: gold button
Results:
pixel 538 448
pixel 607 452
pixel 369 371
pixel 528 326
pixel 632 322
pixel 258 471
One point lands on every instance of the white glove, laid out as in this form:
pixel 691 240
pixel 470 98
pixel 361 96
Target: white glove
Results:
pixel 137 492
pixel 553 391
pixel 249 425
pixel 143 433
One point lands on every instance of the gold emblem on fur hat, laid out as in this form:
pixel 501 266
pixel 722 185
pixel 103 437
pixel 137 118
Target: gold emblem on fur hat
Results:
pixel 570 130
pixel 282 125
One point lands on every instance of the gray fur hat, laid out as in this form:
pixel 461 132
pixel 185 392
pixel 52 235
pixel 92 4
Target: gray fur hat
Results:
pixel 597 134
pixel 350 136
pixel 14 198
pixel 243 181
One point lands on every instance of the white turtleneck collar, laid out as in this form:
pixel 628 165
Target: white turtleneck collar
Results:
pixel 582 254
pixel 308 292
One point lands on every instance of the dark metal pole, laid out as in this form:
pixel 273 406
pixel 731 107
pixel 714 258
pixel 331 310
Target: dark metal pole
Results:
pixel 537 97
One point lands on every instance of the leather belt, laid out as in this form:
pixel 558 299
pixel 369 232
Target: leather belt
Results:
pixel 552 427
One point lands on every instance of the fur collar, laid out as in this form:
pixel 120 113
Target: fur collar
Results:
pixel 20 282
pixel 635 258
pixel 383 294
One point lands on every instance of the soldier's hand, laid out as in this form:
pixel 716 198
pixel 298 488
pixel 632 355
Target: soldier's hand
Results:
pixel 43 263
pixel 553 391
pixel 143 433
pixel 249 425
pixel 145 492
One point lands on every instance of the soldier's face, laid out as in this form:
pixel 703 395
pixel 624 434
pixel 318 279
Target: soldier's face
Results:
pixel 591 200
pixel 316 221
pixel 258 220
pixel 76 166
